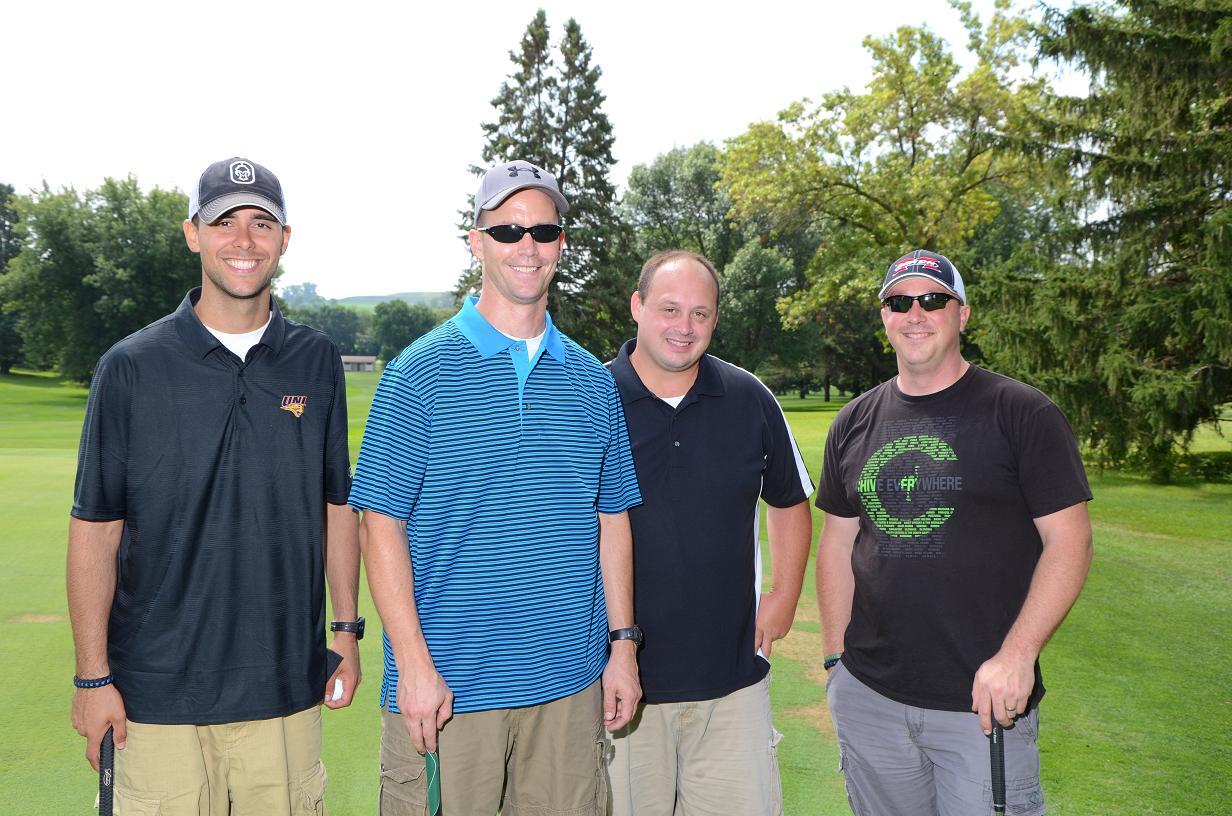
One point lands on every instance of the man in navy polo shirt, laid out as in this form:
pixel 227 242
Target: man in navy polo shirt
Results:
pixel 495 476
pixel 209 511
pixel 709 440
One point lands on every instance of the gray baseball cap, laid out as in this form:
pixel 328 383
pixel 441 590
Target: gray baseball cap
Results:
pixel 507 178
pixel 236 182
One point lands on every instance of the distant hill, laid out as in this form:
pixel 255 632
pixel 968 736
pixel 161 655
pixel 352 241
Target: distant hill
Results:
pixel 433 300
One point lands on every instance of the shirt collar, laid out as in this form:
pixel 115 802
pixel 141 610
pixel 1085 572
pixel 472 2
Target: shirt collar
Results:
pixel 198 338
pixel 708 381
pixel 489 341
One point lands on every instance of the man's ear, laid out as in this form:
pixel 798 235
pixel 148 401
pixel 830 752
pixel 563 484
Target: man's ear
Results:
pixel 190 235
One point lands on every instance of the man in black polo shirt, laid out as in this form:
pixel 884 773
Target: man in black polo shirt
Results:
pixel 708 440
pixel 209 509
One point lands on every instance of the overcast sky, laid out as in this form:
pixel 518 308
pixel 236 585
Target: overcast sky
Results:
pixel 369 112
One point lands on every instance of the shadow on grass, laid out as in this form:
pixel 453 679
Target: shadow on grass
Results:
pixel 811 405
pixel 35 379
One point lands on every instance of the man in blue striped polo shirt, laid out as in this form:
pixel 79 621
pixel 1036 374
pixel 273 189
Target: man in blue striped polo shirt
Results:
pixel 495 475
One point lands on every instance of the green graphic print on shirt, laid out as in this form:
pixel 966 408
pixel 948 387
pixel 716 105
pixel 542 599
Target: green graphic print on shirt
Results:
pixel 904 486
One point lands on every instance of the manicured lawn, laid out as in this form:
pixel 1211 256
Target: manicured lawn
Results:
pixel 1136 718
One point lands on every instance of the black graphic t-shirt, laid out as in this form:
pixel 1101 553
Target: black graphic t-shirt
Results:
pixel 946 487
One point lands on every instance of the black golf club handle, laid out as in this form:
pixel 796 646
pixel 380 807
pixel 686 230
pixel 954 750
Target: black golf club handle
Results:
pixel 106 774
pixel 996 746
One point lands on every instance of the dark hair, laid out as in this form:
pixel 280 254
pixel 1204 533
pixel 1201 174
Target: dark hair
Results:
pixel 666 256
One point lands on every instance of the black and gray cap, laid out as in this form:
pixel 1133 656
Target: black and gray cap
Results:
pixel 507 178
pixel 236 182
pixel 924 264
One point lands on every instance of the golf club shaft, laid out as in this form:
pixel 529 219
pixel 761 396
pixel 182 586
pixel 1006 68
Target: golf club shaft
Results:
pixel 106 774
pixel 997 750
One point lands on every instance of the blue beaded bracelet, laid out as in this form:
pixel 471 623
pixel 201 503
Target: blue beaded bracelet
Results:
pixel 831 660
pixel 97 682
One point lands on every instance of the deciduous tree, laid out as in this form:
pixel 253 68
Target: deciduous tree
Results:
pixel 94 268
pixel 396 324
pixel 10 340
pixel 914 161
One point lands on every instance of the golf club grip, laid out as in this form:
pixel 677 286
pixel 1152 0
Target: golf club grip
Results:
pixel 997 749
pixel 106 774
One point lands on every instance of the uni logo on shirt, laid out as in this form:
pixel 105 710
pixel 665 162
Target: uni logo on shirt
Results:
pixel 295 404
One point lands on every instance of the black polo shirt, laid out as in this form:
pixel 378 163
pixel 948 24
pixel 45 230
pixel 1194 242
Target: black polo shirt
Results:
pixel 221 469
pixel 702 467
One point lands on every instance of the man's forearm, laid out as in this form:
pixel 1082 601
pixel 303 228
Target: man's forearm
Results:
pixel 391 580
pixel 342 560
pixel 835 581
pixel 91 580
pixel 616 566
pixel 790 530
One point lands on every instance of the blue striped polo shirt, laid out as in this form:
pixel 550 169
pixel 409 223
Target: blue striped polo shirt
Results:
pixel 498 471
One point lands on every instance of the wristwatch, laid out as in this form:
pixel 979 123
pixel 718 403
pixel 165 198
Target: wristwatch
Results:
pixel 355 627
pixel 633 633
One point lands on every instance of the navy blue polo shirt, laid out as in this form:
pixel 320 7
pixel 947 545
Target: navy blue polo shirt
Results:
pixel 220 469
pixel 701 468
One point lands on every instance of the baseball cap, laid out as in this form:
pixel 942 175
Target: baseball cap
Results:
pixel 236 182
pixel 924 264
pixel 507 178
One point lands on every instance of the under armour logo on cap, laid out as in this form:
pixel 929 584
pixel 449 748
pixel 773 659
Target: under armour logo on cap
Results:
pixel 514 170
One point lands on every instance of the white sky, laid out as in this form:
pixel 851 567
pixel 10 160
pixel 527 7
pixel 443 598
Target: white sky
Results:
pixel 369 112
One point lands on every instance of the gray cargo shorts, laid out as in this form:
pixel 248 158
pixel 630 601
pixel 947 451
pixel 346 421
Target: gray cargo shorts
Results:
pixel 899 760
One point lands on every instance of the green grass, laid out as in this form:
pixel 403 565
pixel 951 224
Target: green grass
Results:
pixel 1135 721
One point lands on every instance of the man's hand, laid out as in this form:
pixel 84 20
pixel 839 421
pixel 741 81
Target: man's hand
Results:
pixel 775 614
pixel 94 711
pixel 1002 687
pixel 347 645
pixel 621 687
pixel 426 703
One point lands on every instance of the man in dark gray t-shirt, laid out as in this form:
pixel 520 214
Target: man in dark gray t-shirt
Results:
pixel 955 540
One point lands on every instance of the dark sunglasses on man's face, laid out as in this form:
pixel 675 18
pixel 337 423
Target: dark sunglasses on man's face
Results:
pixel 512 233
pixel 929 302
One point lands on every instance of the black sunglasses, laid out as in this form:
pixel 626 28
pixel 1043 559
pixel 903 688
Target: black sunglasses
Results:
pixel 512 233
pixel 929 302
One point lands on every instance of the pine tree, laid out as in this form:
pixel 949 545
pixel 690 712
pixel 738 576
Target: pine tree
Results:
pixel 552 114
pixel 1125 318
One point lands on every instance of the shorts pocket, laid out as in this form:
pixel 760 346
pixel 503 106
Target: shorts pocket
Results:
pixel 775 781
pixel 128 805
pixel 603 793
pixel 1029 723
pixel 1023 797
pixel 838 667
pixel 308 792
pixel 404 789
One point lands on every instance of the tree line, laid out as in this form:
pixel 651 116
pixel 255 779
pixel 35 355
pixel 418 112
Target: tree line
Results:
pixel 390 327
pixel 1094 231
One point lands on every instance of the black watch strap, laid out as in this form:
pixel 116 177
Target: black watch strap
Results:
pixel 633 633
pixel 355 627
